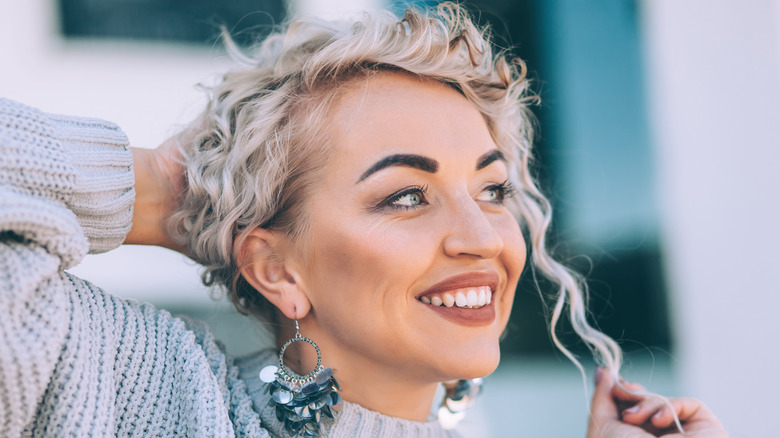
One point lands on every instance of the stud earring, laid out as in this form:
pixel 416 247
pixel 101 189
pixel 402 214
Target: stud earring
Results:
pixel 459 396
pixel 301 400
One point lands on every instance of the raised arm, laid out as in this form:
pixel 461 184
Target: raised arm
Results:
pixel 74 360
pixel 65 190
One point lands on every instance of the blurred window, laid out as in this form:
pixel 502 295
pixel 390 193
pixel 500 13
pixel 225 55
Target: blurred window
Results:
pixel 188 21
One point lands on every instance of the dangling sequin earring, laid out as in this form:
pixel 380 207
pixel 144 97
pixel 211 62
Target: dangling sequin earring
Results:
pixel 459 396
pixel 301 400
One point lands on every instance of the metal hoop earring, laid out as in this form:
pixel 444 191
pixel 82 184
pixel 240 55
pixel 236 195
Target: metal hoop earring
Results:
pixel 459 396
pixel 301 400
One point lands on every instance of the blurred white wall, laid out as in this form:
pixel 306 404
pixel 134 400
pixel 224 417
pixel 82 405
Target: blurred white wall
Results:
pixel 714 80
pixel 331 9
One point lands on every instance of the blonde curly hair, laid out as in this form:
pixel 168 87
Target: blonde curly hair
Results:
pixel 262 140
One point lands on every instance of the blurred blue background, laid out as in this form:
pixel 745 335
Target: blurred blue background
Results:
pixel 657 144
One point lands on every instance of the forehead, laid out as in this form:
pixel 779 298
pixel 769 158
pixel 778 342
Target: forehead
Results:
pixel 392 113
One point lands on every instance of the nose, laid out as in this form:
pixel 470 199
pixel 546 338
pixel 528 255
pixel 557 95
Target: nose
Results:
pixel 471 234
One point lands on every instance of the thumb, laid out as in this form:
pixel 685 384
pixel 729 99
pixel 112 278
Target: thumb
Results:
pixel 603 409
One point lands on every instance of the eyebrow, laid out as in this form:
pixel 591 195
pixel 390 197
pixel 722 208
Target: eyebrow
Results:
pixel 424 163
pixel 408 160
pixel 485 160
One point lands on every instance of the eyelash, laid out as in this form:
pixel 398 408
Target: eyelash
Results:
pixel 504 190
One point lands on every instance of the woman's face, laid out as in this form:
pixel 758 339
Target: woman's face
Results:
pixel 408 218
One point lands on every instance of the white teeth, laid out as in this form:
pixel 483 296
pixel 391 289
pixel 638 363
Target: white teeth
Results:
pixel 461 300
pixel 472 298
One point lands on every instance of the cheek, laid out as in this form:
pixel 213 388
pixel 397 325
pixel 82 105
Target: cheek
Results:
pixel 367 262
pixel 515 244
pixel 514 254
pixel 360 283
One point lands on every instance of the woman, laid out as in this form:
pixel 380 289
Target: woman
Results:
pixel 362 187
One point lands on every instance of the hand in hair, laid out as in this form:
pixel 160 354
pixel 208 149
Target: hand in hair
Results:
pixel 159 184
pixel 616 413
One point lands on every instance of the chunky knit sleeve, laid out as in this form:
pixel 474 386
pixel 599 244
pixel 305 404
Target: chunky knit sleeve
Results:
pixel 66 182
pixel 74 360
pixel 65 189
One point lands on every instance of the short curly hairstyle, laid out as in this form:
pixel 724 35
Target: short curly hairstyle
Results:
pixel 259 145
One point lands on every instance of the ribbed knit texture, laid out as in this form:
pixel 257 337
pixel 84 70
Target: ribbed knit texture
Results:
pixel 76 361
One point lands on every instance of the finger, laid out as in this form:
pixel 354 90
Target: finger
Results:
pixel 605 416
pixel 629 391
pixel 664 418
pixel 692 412
pixel 642 410
pixel 602 406
pixel 603 410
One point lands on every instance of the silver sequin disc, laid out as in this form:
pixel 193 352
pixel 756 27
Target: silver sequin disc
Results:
pixel 448 420
pixel 268 374
pixel 282 396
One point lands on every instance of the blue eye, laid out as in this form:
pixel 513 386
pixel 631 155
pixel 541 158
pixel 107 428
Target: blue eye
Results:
pixel 490 194
pixel 407 198
pixel 496 193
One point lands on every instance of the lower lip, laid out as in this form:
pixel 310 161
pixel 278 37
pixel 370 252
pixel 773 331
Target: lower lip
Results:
pixel 464 316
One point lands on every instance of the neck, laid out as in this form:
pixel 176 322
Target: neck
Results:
pixel 366 383
pixel 379 390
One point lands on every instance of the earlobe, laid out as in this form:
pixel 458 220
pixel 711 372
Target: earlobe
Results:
pixel 261 263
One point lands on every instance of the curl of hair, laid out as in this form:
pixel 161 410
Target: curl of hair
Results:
pixel 260 143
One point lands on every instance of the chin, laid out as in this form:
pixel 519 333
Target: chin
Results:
pixel 473 362
pixel 485 367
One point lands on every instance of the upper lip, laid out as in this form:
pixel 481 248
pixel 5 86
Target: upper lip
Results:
pixel 460 281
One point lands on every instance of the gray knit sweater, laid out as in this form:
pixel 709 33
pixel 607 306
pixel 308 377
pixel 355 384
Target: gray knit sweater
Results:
pixel 76 361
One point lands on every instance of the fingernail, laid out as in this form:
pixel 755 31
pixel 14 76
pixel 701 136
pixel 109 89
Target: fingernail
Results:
pixel 658 414
pixel 597 375
pixel 632 410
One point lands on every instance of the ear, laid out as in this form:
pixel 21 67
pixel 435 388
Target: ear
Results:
pixel 262 264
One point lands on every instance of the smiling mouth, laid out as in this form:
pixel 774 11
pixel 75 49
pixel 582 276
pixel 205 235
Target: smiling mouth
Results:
pixel 465 298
